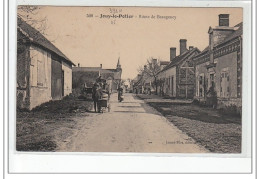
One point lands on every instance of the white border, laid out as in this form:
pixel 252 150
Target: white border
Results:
pixel 133 162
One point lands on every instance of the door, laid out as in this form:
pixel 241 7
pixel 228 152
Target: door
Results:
pixel 56 79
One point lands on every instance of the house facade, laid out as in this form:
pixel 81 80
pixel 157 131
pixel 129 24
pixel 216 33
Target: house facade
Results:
pixel 86 76
pixel 177 78
pixel 219 66
pixel 44 73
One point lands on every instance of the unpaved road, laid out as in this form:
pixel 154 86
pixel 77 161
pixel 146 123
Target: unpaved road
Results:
pixel 130 126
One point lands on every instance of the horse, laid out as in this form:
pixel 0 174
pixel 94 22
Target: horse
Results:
pixel 96 95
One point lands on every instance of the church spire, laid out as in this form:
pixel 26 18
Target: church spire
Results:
pixel 118 66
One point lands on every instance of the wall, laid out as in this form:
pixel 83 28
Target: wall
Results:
pixel 23 75
pixel 81 77
pixel 220 34
pixel 40 76
pixel 227 61
pixel 67 78
pixel 168 88
pixel 161 88
pixel 200 70
pixel 186 78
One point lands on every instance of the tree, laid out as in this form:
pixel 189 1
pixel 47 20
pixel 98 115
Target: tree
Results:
pixel 29 14
pixel 151 69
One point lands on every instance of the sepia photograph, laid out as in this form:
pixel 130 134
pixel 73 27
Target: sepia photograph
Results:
pixel 129 79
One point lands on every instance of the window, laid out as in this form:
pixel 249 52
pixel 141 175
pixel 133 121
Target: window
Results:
pixel 201 92
pixel 212 82
pixel 40 73
pixel 201 77
pixel 38 67
pixel 201 85
pixel 224 84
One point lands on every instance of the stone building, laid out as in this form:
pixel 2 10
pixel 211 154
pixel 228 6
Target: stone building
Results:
pixel 178 77
pixel 44 73
pixel 219 65
pixel 86 76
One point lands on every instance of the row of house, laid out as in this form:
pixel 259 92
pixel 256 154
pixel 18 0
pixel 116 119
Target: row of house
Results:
pixel 44 73
pixel 193 73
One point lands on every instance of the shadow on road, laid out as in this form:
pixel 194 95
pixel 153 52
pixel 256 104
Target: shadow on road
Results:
pixel 130 106
pixel 131 111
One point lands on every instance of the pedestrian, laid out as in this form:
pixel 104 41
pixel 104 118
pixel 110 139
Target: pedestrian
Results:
pixel 120 93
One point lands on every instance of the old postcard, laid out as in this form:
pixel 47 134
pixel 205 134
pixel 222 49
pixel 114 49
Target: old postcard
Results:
pixel 130 79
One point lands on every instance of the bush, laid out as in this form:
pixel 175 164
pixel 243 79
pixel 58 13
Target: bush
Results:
pixel 231 110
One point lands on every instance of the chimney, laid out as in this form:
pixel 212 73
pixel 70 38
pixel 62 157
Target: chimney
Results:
pixel 182 46
pixel 191 48
pixel 101 65
pixel 172 53
pixel 223 19
pixel 78 64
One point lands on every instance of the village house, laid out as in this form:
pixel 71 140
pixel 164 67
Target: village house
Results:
pixel 219 66
pixel 137 84
pixel 44 73
pixel 178 77
pixel 145 82
pixel 86 76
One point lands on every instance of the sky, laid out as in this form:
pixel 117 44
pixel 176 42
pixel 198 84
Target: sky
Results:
pixel 92 41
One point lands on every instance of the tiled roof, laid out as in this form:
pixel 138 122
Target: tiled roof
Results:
pixel 103 72
pixel 178 59
pixel 108 70
pixel 37 38
pixel 164 62
pixel 86 69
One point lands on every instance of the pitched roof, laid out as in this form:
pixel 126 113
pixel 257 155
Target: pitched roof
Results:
pixel 179 58
pixel 109 70
pixel 86 69
pixel 164 62
pixel 37 38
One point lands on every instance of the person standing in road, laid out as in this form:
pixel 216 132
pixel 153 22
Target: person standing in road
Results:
pixel 120 93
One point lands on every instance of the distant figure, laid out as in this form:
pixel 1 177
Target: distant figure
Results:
pixel 96 95
pixel 120 93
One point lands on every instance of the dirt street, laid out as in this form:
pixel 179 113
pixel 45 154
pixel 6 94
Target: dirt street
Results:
pixel 130 126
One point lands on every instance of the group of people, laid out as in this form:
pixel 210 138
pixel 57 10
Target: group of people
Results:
pixel 101 87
